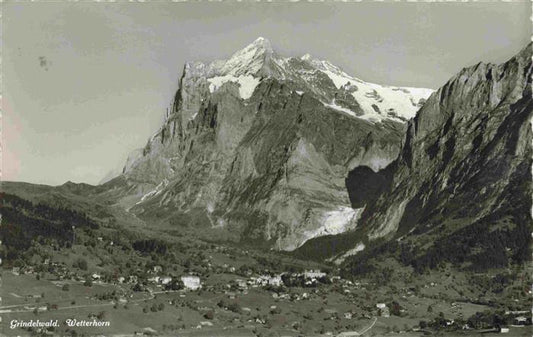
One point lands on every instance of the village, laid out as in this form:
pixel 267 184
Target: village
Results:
pixel 286 287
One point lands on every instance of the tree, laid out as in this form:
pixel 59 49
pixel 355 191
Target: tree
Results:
pixel 81 263
pixel 395 308
pixel 209 315
pixel 234 307
pixel 65 287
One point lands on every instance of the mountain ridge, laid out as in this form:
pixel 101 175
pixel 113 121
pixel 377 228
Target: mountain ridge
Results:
pixel 225 109
pixel 460 188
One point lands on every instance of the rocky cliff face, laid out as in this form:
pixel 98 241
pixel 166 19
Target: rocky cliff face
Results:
pixel 462 182
pixel 259 146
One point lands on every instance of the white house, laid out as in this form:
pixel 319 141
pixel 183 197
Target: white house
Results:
pixel 520 320
pixel 154 279
pixel 314 274
pixel 264 280
pixel 275 281
pixel 191 282
pixel 384 309
pixel 241 283
pixel 165 279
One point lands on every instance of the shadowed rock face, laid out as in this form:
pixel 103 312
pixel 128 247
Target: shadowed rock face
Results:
pixel 365 186
pixel 463 178
pixel 465 146
pixel 260 146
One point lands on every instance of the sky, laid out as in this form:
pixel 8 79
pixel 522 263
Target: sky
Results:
pixel 84 84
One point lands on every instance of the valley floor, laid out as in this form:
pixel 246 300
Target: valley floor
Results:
pixel 223 308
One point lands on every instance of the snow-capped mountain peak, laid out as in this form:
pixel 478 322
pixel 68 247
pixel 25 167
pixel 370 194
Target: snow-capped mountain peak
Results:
pixel 258 60
pixel 306 57
pixel 249 60
pixel 377 101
